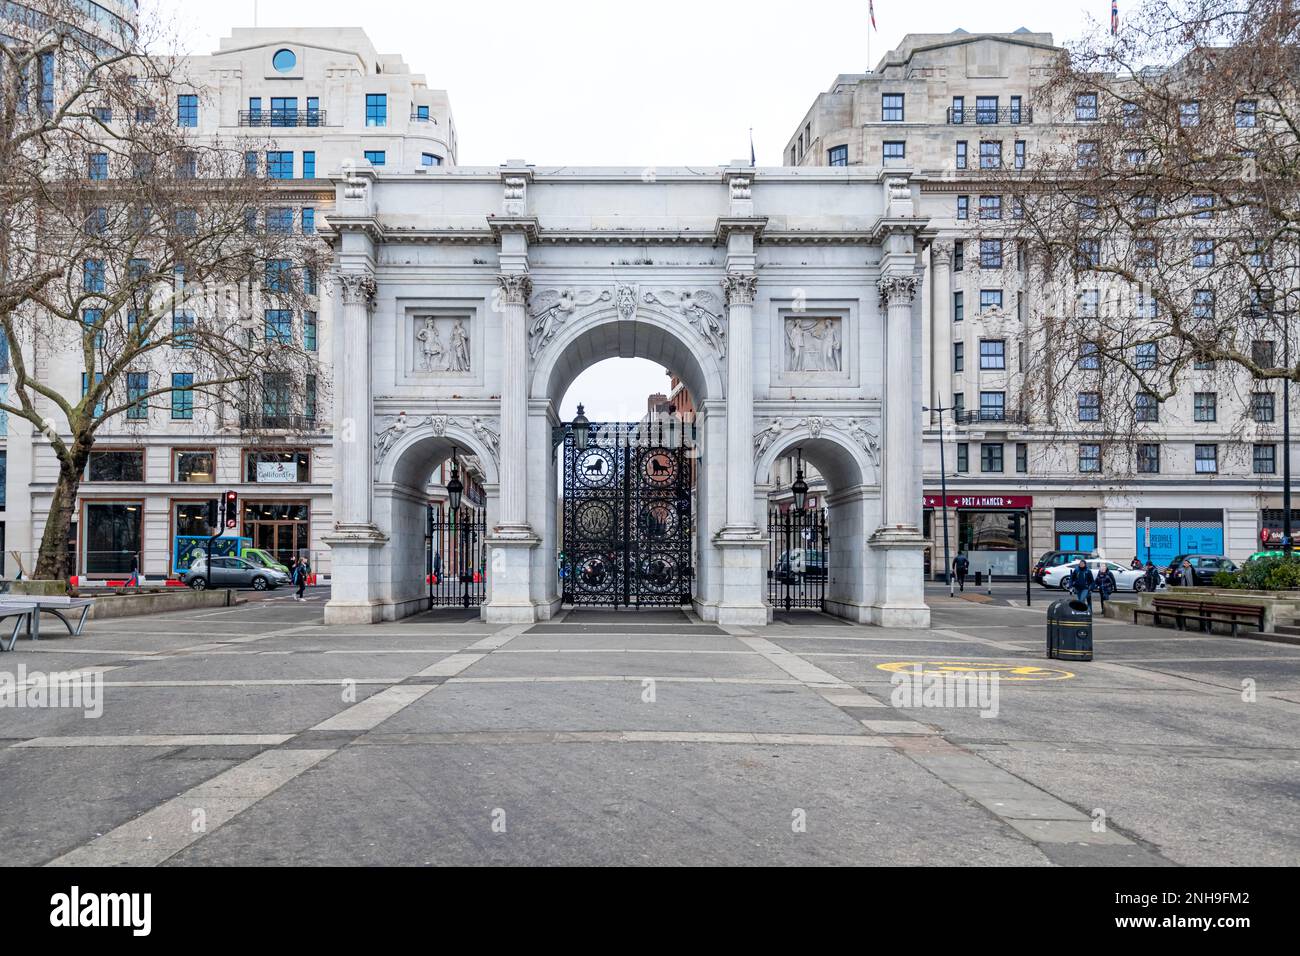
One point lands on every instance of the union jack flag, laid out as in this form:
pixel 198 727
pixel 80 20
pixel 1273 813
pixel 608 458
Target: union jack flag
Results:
pixel 1114 17
pixel 871 9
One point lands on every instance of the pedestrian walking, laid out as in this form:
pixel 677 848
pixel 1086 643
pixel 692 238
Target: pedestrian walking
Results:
pixel 1152 578
pixel 1105 585
pixel 1081 582
pixel 1186 576
pixel 961 566
pixel 300 578
pixel 1136 563
pixel 134 580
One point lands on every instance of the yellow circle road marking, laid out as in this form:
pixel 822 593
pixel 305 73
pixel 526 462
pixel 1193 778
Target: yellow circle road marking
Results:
pixel 1020 672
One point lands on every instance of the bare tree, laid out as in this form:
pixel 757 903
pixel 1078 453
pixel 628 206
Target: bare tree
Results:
pixel 1157 222
pixel 135 252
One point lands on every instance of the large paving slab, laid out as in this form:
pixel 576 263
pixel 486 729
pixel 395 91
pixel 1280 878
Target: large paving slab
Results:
pixel 614 804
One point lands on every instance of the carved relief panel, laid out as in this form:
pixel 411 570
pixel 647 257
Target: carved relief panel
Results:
pixel 439 343
pixel 814 343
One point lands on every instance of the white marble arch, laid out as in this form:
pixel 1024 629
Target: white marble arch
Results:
pixel 399 508
pixel 658 336
pixel 853 509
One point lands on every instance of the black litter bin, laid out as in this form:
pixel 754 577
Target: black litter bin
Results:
pixel 1069 630
pixel 979 579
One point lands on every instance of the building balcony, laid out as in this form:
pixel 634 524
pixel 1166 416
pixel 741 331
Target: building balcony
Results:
pixel 261 421
pixel 1006 116
pixel 281 118
pixel 990 417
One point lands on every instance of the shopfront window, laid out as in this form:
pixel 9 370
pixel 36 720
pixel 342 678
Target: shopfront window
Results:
pixel 278 467
pixel 198 467
pixel 993 541
pixel 112 536
pixel 116 466
pixel 282 528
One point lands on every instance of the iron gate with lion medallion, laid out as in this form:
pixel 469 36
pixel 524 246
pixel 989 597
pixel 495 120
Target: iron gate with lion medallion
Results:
pixel 627 515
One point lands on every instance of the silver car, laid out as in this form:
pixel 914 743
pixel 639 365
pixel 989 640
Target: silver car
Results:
pixel 232 573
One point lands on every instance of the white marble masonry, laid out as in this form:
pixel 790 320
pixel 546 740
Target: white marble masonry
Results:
pixel 472 298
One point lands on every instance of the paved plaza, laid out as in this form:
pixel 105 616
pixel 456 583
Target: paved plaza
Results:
pixel 257 735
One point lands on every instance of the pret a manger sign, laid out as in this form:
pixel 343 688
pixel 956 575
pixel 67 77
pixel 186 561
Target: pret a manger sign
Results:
pixel 993 502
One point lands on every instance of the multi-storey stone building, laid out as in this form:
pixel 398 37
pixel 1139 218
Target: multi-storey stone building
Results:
pixel 949 109
pixel 303 105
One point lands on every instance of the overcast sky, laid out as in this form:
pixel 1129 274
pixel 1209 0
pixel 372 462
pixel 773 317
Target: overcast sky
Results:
pixel 620 82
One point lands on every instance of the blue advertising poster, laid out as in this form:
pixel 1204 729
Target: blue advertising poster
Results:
pixel 1172 538
pixel 189 545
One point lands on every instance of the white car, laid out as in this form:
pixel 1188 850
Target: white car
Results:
pixel 1126 579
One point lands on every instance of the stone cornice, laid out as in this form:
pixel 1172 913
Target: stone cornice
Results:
pixel 528 225
pixel 729 224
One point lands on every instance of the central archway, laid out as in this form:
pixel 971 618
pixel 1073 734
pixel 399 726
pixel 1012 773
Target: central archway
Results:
pixel 658 336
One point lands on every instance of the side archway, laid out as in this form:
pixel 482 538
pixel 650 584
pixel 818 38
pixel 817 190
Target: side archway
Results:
pixel 408 450
pixel 846 455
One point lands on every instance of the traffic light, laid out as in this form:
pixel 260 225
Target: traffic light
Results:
pixel 232 509
pixel 214 515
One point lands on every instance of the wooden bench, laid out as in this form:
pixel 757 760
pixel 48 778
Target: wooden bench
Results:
pixel 54 605
pixel 21 613
pixel 1204 613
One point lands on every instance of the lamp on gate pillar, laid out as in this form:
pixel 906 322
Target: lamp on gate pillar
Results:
pixel 581 430
pixel 800 487
pixel 454 487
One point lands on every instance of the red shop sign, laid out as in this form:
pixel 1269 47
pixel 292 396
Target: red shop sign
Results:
pixel 982 502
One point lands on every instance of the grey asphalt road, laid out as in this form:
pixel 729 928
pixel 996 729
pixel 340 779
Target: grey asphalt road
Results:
pixel 256 735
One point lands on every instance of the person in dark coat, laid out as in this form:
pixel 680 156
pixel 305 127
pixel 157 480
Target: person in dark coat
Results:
pixel 1081 582
pixel 1152 579
pixel 1105 585
pixel 961 566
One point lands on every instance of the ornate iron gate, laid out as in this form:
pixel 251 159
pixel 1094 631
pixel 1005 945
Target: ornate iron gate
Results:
pixel 456 557
pixel 627 515
pixel 801 559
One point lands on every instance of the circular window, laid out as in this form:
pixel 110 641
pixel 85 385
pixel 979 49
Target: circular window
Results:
pixel 284 61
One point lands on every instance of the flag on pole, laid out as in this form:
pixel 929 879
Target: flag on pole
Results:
pixel 871 9
pixel 1114 17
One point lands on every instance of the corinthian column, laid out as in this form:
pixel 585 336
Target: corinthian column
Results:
pixel 515 289
pixel 740 288
pixel 357 291
pixel 901 411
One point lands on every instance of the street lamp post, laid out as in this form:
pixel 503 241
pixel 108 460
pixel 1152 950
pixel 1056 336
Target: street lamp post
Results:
pixel 943 490
pixel 455 488
pixel 1286 439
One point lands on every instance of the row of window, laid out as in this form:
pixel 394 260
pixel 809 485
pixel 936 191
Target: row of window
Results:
pixel 990 154
pixel 1146 355
pixel 1206 458
pixel 993 406
pixel 1205 407
pixel 196 466
pixel 276 164
pixel 1245 112
pixel 993 355
pixel 277 395
pixel 991 300
pixel 279 272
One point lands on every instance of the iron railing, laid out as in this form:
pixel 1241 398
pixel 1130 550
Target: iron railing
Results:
pixel 1006 115
pixel 278 118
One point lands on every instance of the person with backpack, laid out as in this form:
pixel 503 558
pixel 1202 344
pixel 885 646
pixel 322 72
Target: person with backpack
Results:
pixel 961 567
pixel 1080 583
pixel 1152 578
